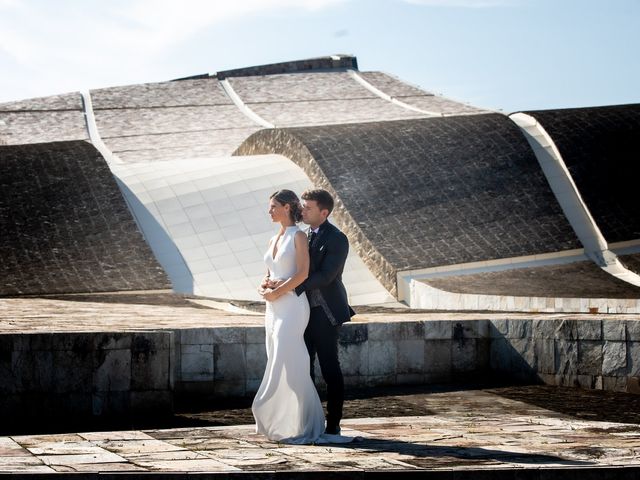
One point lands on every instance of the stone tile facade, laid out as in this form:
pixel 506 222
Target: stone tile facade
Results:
pixel 65 225
pixel 393 86
pixel 204 92
pixel 599 147
pixel 293 114
pixel 299 87
pixel 422 193
pixel 170 120
pixel 48 119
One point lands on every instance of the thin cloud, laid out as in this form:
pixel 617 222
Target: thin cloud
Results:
pixel 465 3
pixel 35 29
pixel 77 44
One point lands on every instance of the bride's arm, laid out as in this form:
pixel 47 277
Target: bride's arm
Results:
pixel 264 284
pixel 302 269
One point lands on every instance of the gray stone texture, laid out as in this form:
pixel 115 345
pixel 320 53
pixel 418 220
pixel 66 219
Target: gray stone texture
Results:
pixel 599 147
pixel 357 110
pixel 613 329
pixel 299 87
pixel 544 350
pixel 589 330
pixel 438 330
pixel 354 360
pixel 590 357
pixel 45 119
pixel 127 122
pixel 28 126
pixel 464 356
pixel 631 262
pixel 84 374
pixel 393 86
pixel 170 146
pixel 442 105
pixel 614 358
pixel 65 225
pixel 205 92
pixel 458 174
pixel 171 120
pixel 633 358
pixel 582 279
pixel 411 356
pixel 633 330
pixel 324 98
pixel 566 357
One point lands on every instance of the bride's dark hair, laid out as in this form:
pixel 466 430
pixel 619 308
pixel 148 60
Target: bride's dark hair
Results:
pixel 287 197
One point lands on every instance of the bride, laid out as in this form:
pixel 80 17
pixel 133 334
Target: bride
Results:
pixel 287 407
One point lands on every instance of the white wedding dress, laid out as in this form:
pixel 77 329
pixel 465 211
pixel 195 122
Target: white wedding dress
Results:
pixel 287 407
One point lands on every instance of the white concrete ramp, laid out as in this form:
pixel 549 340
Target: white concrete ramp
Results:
pixel 206 221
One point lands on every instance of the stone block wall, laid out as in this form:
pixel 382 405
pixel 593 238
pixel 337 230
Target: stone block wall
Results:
pixel 230 361
pixel 105 374
pixel 596 354
pixel 85 374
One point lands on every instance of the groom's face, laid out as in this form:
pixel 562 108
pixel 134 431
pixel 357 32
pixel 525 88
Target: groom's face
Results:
pixel 311 213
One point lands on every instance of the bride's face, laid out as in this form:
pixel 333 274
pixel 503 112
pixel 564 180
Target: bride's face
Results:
pixel 277 211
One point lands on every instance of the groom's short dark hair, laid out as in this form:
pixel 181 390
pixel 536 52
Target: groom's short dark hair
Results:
pixel 321 197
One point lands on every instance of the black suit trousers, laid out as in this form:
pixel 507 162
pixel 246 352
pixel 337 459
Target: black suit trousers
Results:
pixel 321 338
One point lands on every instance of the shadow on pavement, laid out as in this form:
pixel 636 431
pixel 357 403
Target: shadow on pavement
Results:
pixel 425 455
pixel 596 405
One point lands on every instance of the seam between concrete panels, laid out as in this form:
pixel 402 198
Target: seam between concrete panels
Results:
pixel 235 98
pixel 92 129
pixel 569 198
pixel 389 98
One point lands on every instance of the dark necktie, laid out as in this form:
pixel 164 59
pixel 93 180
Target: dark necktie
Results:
pixel 312 237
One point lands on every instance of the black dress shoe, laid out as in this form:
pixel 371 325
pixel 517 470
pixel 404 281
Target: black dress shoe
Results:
pixel 332 429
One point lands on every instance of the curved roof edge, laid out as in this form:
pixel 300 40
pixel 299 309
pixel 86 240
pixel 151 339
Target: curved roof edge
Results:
pixel 284 142
pixel 332 62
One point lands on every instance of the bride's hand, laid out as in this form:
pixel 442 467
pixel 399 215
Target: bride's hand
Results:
pixel 273 284
pixel 270 295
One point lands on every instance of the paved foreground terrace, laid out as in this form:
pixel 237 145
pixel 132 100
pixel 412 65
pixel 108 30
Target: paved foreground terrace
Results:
pixel 536 432
pixel 487 433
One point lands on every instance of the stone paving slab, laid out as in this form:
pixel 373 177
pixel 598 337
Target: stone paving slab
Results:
pixel 43 315
pixel 479 431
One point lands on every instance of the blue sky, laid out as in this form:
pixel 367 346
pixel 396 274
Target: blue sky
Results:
pixel 501 54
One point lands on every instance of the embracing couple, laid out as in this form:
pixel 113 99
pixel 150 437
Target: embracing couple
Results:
pixel 306 303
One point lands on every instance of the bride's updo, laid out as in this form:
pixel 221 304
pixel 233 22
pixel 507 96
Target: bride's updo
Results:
pixel 287 197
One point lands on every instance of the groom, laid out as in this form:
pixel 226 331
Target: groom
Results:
pixel 328 249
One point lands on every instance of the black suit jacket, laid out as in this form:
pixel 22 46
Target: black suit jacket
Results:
pixel 327 253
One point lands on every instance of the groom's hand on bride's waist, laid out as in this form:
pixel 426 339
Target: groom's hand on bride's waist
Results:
pixel 274 283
